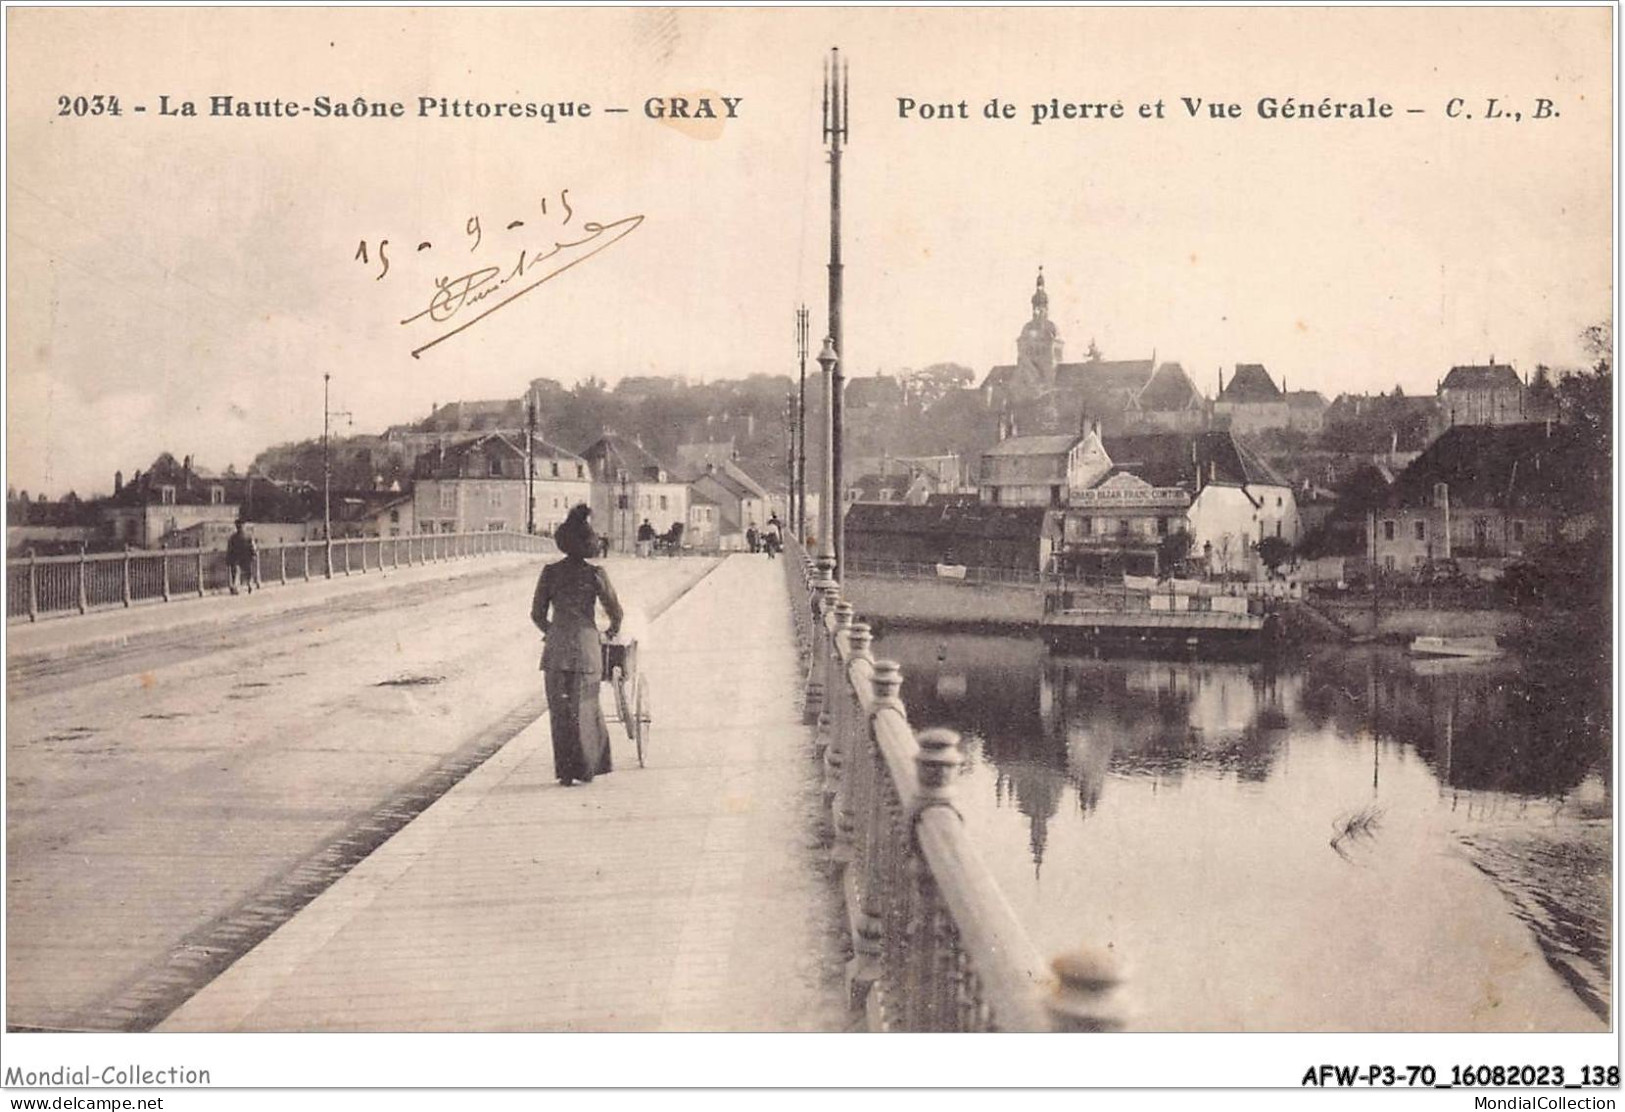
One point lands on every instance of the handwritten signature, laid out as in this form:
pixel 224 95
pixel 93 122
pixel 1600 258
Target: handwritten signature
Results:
pixel 465 291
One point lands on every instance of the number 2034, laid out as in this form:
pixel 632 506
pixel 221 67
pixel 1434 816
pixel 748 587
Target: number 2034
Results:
pixel 88 106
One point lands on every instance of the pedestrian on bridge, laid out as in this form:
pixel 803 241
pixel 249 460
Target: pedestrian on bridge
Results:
pixel 564 608
pixel 240 554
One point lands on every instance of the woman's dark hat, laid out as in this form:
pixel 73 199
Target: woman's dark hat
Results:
pixel 576 537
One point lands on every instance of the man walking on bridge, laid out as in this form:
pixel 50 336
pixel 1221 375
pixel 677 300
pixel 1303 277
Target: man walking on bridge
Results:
pixel 240 555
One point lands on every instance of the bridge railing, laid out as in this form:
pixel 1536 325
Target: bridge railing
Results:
pixel 42 586
pixel 936 945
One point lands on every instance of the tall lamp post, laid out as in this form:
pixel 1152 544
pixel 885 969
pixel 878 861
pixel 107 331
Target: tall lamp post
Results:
pixel 836 105
pixel 828 507
pixel 798 477
pixel 327 476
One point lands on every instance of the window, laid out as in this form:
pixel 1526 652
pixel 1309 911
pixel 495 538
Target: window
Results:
pixel 581 471
pixel 448 498
pixel 1387 530
pixel 1162 527
pixel 217 496
pixel 621 502
pixel 1124 526
pixel 1086 525
pixel 494 466
pixel 662 501
pixel 496 526
pixel 1418 560
pixel 394 517
pixel 1517 530
pixel 1277 528
pixel 1421 531
pixel 494 498
pixel 1388 562
pixel 555 469
pixel 166 495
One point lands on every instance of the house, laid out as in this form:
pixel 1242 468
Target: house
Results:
pixel 1305 410
pixel 1490 493
pixel 1482 395
pixel 484 484
pixel 977 536
pixel 740 499
pixel 875 391
pixel 704 523
pixel 630 486
pixel 897 487
pixel 1041 470
pixel 1251 401
pixel 382 513
pixel 168 497
pixel 1211 485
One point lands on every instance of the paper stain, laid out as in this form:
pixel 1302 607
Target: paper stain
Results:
pixel 736 804
pixel 704 129
pixel 148 680
pixel 1302 327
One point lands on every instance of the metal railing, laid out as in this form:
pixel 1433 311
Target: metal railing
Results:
pixel 42 586
pixel 936 946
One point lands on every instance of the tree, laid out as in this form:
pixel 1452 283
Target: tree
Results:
pixel 1274 551
pixel 926 387
pixel 1173 550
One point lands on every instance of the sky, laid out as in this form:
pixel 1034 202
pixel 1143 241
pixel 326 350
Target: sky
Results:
pixel 182 284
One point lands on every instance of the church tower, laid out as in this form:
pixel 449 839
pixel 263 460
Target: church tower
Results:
pixel 1038 348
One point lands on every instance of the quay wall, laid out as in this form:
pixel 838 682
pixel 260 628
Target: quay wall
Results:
pixel 1403 623
pixel 947 602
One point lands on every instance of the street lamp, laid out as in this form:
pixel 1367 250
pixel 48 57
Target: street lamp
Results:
pixel 327 475
pixel 829 504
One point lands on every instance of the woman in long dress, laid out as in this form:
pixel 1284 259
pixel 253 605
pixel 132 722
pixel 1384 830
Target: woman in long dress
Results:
pixel 564 609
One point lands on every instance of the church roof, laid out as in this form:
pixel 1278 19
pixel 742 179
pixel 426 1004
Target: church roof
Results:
pixel 1045 445
pixel 1492 376
pixel 1170 388
pixel 1174 459
pixel 1250 383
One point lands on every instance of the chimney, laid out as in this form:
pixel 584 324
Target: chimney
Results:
pixel 1221 380
pixel 118 476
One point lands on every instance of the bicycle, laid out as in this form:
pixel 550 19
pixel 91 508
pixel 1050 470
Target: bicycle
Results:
pixel 620 663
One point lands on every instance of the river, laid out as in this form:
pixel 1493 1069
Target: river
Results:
pixel 1350 840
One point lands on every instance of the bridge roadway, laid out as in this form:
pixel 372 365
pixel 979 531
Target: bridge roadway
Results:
pixel 290 813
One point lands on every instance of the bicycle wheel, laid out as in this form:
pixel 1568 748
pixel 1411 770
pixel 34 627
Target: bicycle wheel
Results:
pixel 622 703
pixel 643 717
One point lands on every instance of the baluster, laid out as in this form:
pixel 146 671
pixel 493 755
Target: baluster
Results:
pixel 84 594
pixel 840 699
pixel 964 995
pixel 126 575
pixel 346 545
pixel 33 587
pixel 1089 994
pixel 861 876
pixel 304 550
pixel 163 562
pixel 282 563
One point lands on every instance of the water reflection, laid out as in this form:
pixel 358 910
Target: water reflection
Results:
pixel 1124 771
